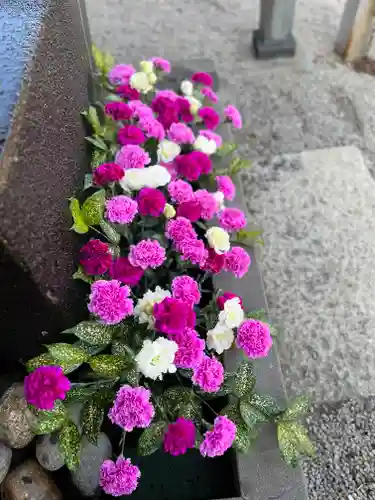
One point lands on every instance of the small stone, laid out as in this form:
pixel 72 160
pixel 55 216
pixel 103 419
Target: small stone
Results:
pixel 15 418
pixel 48 452
pixel 86 476
pixel 30 482
pixel 5 459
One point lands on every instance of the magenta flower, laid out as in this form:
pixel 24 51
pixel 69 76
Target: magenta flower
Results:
pixel 161 64
pixel 180 230
pixel 127 92
pixel 119 478
pixel 237 261
pixel 214 262
pixel 152 127
pixel 151 202
pixel 121 209
pixel 233 115
pixel 254 338
pixel 181 134
pixel 170 94
pixel 210 94
pixel 212 136
pixel 122 270
pixel 95 257
pixel 130 134
pixel 106 173
pixel 207 202
pixel 118 110
pixel 140 110
pixel 219 439
pixel 192 165
pixel 226 186
pixel 232 219
pixel 180 436
pixel 180 191
pixel 166 109
pixel 209 374
pixel 191 210
pixel 172 169
pixel 132 156
pixel 109 301
pixel 120 74
pixel 190 349
pixel 147 253
pixel 220 301
pixel 210 117
pixel 186 289
pixel 45 385
pixel 173 316
pixel 193 250
pixel 203 78
pixel 132 408
pixel 184 112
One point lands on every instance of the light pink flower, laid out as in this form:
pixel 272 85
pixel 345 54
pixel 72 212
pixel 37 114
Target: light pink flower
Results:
pixel 254 338
pixel 233 115
pixel 140 110
pixel 232 219
pixel 120 74
pixel 226 186
pixel 209 374
pixel 162 64
pixel 186 289
pixel 190 348
pixel 121 209
pixel 212 136
pixel 109 301
pixel 207 202
pixel 180 191
pixel 152 127
pixel 181 134
pixel 219 439
pixel 147 253
pixel 132 156
pixel 132 408
pixel 119 478
pixel 237 261
pixel 210 94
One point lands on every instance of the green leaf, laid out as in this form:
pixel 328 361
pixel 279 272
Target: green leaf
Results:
pixel 238 164
pixel 93 208
pixel 151 438
pixel 258 314
pixel 299 407
pixel 81 275
pixel 266 404
pixel 113 98
pixel 293 442
pixel 98 157
pixel 67 354
pixel 226 149
pixel 98 57
pixel 191 411
pixel 41 360
pixel 249 238
pixel 93 118
pixel 81 392
pixel 50 421
pixel 251 415
pixel 91 419
pixel 97 142
pixel 175 398
pixel 70 445
pixel 244 438
pixel 108 62
pixel 233 413
pixel 92 332
pixel 110 232
pixel 79 224
pixel 131 376
pixel 88 182
pixel 109 365
pixel 244 380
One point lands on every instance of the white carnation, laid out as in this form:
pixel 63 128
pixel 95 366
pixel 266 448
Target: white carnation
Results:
pixel 195 104
pixel 156 358
pixel 218 239
pixel 220 338
pixel 146 66
pixel 137 178
pixel 141 82
pixel 219 197
pixel 187 88
pixel 205 145
pixel 145 306
pixel 168 150
pixel 232 315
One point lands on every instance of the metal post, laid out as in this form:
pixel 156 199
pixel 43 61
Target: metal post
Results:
pixel 274 38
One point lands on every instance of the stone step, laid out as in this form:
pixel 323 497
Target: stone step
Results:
pixel 317 211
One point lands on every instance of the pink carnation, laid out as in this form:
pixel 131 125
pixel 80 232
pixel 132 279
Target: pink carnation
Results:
pixel 127 92
pixel 192 165
pixel 220 301
pixel 193 250
pixel 122 270
pixel 210 94
pixel 207 202
pixel 219 439
pixel 212 136
pixel 119 478
pixel 147 253
pixel 130 134
pixel 109 301
pixel 226 186
pixel 191 210
pixel 203 78
pixel 190 349
pixel 254 338
pixel 237 261
pixel 172 169
pixel 232 219
pixel 179 437
pixel 214 262
pixel 118 110
pixel 209 374
pixel 120 74
pixel 180 191
pixel 173 316
pixel 210 117
pixel 186 289
pixel 152 127
pixel 106 173
pixel 45 385
pixel 140 110
pixel 151 202
pixel 162 64
pixel 181 134
pixel 121 209
pixel 170 94
pixel 233 115
pixel 132 156
pixel 95 257
pixel 132 408
pixel 180 229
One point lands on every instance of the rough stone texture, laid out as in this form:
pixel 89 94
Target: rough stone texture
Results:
pixel 5 459
pixel 48 453
pixel 86 476
pixel 317 211
pixel 344 434
pixel 42 163
pixel 30 482
pixel 15 418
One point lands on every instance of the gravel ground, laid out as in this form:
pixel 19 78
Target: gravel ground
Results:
pixel 345 437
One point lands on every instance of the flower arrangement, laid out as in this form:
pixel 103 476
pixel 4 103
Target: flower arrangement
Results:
pixel 150 356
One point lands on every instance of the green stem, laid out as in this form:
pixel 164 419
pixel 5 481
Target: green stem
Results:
pixel 123 437
pixel 208 405
pixel 99 232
